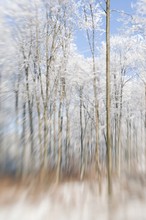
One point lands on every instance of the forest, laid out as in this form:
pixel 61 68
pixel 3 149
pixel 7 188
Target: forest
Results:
pixel 68 115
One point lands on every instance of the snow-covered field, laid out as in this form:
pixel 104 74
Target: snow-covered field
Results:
pixel 74 201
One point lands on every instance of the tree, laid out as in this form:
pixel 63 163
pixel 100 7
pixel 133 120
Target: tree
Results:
pixel 108 108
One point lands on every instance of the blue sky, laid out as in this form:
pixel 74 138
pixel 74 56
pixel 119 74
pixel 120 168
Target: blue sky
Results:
pixel 120 5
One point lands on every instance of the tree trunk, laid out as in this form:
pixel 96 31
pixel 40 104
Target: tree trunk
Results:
pixel 81 133
pixel 108 108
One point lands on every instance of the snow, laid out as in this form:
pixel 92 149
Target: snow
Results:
pixel 75 201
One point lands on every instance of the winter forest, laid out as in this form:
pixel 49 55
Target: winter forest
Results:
pixel 68 115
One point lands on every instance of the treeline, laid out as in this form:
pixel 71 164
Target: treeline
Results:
pixel 53 100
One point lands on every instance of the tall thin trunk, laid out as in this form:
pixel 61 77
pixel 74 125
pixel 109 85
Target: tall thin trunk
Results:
pixel 23 138
pixel 119 126
pixel 37 81
pixel 67 136
pixel 108 100
pixel 45 114
pixel 116 124
pixel 60 122
pixel 30 114
pixel 54 122
pixel 17 116
pixel 129 147
pixel 81 133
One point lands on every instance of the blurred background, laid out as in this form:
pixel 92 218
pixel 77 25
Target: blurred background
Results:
pixel 72 143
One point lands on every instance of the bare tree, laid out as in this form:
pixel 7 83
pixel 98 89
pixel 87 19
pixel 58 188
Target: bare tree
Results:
pixel 108 108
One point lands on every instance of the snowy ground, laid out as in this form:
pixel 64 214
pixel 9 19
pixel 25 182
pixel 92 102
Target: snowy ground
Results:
pixel 74 201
